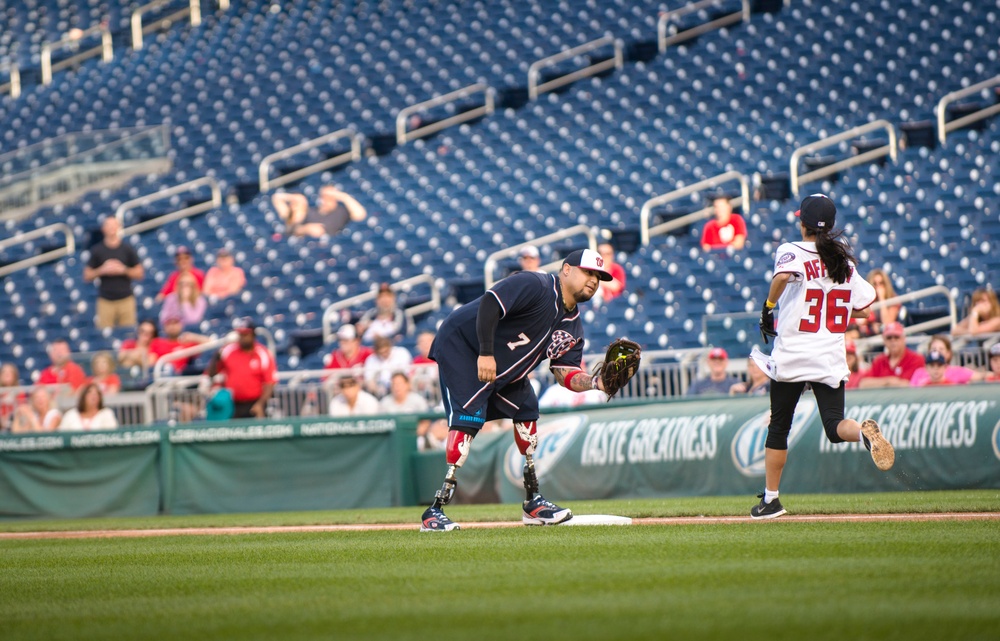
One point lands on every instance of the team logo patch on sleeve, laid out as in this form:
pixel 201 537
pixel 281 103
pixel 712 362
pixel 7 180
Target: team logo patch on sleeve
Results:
pixel 560 343
pixel 784 259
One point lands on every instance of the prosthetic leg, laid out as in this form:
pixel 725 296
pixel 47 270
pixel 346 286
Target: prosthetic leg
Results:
pixel 456 451
pixel 537 511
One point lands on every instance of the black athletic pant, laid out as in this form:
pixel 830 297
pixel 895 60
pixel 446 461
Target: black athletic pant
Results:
pixel 784 398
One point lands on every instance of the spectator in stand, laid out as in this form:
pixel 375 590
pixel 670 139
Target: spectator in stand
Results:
pixel 143 350
pixel 250 371
pixel 529 259
pixel 185 302
pixel 62 371
pixel 424 341
pixel 424 374
pixel 10 396
pixel 757 384
pixel 89 413
pixel 955 374
pixel 401 398
pixel 333 212
pixel 993 376
pixel 983 316
pixel 717 381
pixel 727 229
pixel 102 373
pixel 935 364
pixel 115 264
pixel 38 415
pixel 175 338
pixel 224 279
pixel 386 319
pixel 350 352
pixel 185 265
pixel 352 400
pixel 897 365
pixel 877 319
pixel 853 364
pixel 381 365
pixel 610 289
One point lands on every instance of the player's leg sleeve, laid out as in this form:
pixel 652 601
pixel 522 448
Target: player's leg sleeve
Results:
pixel 457 448
pixel 526 436
pixel 784 398
pixel 831 408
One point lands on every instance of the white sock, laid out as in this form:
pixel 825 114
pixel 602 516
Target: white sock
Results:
pixel 769 495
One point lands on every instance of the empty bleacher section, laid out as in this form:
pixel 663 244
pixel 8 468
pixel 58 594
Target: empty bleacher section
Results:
pixel 259 77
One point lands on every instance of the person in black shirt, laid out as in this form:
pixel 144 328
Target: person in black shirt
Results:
pixel 116 264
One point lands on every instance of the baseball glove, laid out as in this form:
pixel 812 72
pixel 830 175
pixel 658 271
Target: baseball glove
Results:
pixel 767 322
pixel 621 362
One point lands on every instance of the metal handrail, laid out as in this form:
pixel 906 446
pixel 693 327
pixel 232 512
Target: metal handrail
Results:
pixel 330 313
pixel 216 201
pixel 266 184
pixel 944 128
pixel 948 321
pixel 193 9
pixel 403 136
pixel 162 129
pixel 55 254
pixel 534 71
pixel 14 84
pixel 576 230
pixel 661 24
pixel 889 149
pixel 201 348
pixel 104 50
pixel 682 221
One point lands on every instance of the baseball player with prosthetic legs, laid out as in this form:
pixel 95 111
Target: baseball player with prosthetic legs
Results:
pixel 817 290
pixel 485 351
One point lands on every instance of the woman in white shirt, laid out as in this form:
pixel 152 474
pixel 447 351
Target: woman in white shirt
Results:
pixel 89 413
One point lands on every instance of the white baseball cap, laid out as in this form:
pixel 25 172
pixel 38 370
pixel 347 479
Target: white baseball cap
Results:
pixel 347 333
pixel 589 259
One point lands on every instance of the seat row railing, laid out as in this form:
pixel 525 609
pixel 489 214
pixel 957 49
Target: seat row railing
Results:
pixel 332 315
pixel 71 42
pixel 946 126
pixel 493 260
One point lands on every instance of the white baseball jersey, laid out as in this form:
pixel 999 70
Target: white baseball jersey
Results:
pixel 812 316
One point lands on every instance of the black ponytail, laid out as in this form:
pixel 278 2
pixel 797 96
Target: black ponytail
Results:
pixel 835 252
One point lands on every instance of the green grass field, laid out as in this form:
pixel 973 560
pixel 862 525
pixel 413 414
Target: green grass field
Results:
pixel 773 580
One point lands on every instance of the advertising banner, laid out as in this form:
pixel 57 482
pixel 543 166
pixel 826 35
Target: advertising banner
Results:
pixel 945 438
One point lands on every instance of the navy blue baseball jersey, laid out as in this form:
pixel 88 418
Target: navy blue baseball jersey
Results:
pixel 534 325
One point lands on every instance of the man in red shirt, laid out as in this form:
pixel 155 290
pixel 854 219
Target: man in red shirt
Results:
pixel 62 371
pixel 726 229
pixel 249 369
pixel 611 289
pixel 896 366
pixel 350 352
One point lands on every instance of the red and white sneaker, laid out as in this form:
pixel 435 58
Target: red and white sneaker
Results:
pixel 434 520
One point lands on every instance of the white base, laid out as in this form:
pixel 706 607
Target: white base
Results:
pixel 598 519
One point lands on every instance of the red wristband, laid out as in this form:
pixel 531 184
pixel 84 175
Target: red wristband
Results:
pixel 569 381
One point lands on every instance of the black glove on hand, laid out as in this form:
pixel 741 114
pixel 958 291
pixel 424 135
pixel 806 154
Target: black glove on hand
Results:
pixel 767 322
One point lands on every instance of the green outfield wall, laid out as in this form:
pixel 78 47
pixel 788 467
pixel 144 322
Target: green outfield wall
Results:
pixel 945 438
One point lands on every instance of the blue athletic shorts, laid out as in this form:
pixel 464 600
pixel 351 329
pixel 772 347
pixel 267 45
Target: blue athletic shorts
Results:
pixel 468 405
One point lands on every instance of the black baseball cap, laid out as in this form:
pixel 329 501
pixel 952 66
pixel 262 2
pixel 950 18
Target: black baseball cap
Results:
pixel 817 212
pixel 589 259
pixel 936 358
pixel 244 324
